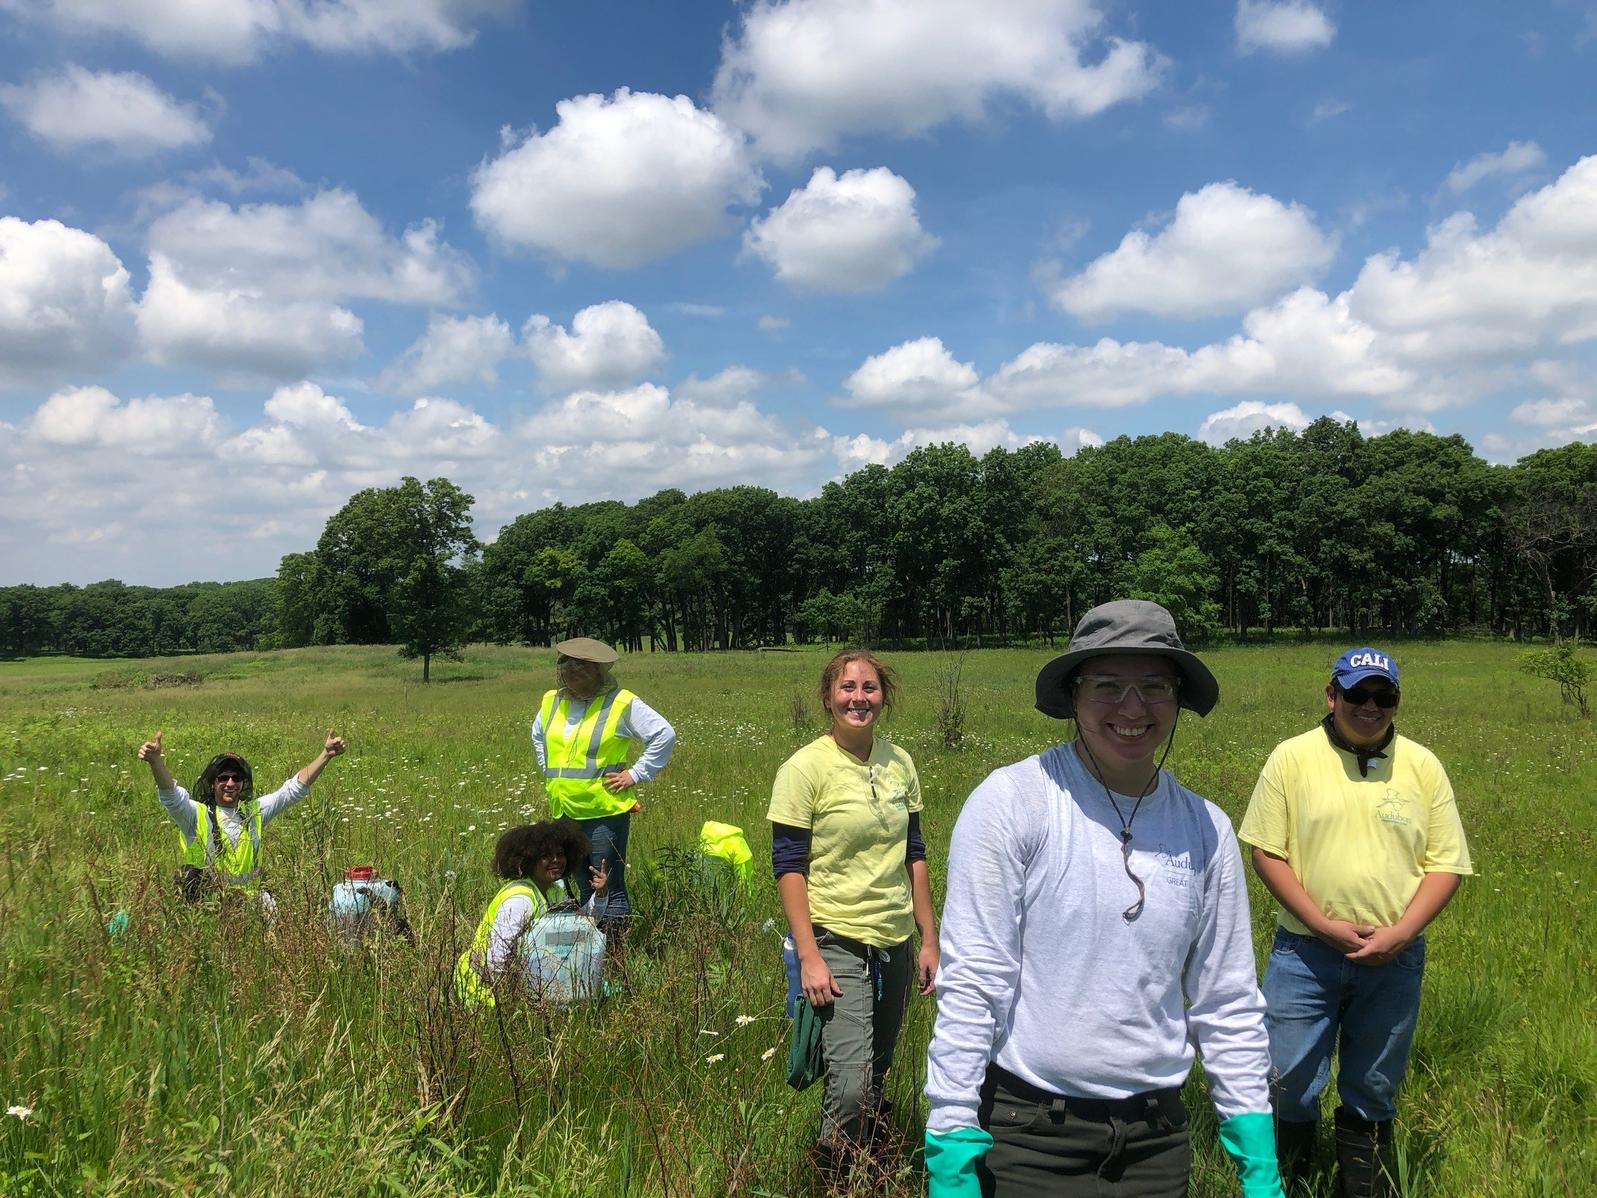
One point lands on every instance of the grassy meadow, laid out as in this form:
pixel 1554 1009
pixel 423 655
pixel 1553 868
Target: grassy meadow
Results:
pixel 201 1053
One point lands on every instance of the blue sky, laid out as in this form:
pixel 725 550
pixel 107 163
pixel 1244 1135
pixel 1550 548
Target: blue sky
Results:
pixel 258 254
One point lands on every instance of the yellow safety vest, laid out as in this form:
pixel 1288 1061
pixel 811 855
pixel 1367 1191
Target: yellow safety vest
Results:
pixel 726 842
pixel 234 864
pixel 472 981
pixel 575 762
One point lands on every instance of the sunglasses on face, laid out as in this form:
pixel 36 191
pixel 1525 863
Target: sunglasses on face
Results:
pixel 1383 698
pixel 235 778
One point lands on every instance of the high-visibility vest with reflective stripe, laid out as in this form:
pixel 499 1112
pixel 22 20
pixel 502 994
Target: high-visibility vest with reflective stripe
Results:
pixel 234 864
pixel 576 760
pixel 472 981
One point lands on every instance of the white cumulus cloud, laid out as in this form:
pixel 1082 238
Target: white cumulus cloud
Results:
pixel 1472 294
pixel 1225 249
pixel 82 417
pixel 118 112
pixel 237 31
pixel 919 377
pixel 264 288
pixel 328 246
pixel 64 299
pixel 619 181
pixel 1248 417
pixel 609 345
pixel 1518 158
pixel 240 328
pixel 800 75
pixel 1282 26
pixel 857 232
pixel 452 350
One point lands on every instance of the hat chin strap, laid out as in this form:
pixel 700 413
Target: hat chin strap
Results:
pixel 1097 770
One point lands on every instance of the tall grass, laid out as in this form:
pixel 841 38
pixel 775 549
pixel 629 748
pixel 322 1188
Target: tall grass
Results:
pixel 204 1051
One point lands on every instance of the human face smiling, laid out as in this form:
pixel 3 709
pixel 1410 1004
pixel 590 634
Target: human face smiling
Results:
pixel 227 788
pixel 1363 725
pixel 855 699
pixel 549 869
pixel 1123 736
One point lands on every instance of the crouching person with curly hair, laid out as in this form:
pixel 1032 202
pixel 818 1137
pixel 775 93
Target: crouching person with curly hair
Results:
pixel 538 863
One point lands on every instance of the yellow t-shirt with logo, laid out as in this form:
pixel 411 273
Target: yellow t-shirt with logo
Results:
pixel 1360 846
pixel 858 816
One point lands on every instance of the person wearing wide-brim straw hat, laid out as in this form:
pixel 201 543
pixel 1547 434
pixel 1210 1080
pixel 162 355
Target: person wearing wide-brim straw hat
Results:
pixel 1095 935
pixel 583 733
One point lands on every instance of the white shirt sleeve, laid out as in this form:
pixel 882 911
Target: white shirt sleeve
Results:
pixel 539 744
pixel 979 973
pixel 1226 1010
pixel 515 914
pixel 285 796
pixel 181 810
pixel 642 722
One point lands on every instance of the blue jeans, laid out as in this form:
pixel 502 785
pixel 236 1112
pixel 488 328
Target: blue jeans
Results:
pixel 1312 996
pixel 608 836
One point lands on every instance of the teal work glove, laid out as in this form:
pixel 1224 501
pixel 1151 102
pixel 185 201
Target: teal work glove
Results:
pixel 951 1158
pixel 1250 1141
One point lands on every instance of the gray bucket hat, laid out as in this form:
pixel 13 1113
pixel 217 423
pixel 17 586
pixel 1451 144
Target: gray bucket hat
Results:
pixel 1125 626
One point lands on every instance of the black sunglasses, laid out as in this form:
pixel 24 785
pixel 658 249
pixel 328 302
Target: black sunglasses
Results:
pixel 1359 696
pixel 230 777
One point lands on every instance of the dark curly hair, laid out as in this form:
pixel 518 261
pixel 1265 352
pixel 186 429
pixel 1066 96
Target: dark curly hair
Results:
pixel 205 786
pixel 521 847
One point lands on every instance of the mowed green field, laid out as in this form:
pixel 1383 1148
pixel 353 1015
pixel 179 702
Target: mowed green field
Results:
pixel 200 1053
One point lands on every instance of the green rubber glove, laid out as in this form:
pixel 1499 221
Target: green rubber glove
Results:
pixel 1250 1141
pixel 951 1158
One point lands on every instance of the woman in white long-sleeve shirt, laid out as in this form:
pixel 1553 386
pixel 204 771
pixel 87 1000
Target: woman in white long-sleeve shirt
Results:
pixel 583 732
pixel 220 827
pixel 1096 932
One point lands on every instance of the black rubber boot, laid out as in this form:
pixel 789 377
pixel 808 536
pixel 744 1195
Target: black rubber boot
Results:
pixel 1363 1156
pixel 1294 1149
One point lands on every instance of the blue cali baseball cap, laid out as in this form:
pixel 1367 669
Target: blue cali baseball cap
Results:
pixel 1354 666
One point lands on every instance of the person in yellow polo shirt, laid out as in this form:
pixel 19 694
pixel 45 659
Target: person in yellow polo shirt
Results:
pixel 850 866
pixel 583 734
pixel 1356 833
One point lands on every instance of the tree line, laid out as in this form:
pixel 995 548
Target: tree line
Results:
pixel 1407 533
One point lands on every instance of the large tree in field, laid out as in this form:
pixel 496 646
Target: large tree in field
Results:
pixel 390 566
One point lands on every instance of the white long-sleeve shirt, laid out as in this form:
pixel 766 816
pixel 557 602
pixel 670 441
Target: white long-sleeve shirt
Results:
pixel 185 812
pixel 1042 974
pixel 638 722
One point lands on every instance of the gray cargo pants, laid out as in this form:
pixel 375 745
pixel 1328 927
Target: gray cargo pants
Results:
pixel 859 1029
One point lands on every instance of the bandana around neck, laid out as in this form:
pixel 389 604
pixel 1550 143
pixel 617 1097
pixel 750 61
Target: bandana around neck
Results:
pixel 1364 755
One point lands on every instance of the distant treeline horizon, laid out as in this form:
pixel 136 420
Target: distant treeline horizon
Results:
pixel 1402 534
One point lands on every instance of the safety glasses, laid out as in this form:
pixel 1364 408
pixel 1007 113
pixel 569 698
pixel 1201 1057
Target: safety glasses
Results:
pixel 1111 689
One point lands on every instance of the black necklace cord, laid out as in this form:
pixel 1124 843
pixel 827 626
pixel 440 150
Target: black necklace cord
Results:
pixel 1131 913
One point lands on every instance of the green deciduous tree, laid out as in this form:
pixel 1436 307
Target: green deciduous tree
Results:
pixel 390 567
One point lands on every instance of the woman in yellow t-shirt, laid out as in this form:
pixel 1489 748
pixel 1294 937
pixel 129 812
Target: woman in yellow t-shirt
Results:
pixel 850 866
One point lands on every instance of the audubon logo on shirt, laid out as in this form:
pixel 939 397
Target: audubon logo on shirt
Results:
pixel 1176 867
pixel 1393 809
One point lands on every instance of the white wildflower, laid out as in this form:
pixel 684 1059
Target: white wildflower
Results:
pixel 768 1054
pixel 20 1112
pixel 714 1057
pixel 745 1020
